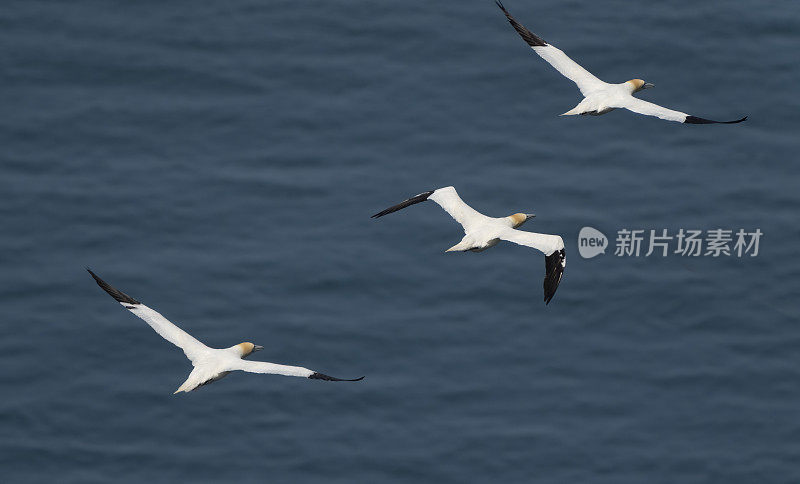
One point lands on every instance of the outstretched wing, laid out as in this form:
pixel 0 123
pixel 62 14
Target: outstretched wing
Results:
pixel 568 68
pixel 555 259
pixel 275 369
pixel 650 109
pixel 448 199
pixel 175 335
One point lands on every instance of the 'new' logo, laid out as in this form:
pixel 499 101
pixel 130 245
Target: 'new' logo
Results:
pixel 591 242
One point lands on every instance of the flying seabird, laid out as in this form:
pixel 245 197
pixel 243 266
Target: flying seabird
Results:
pixel 482 232
pixel 601 97
pixel 210 364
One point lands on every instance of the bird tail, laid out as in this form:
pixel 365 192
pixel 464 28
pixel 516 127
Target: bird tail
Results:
pixel 459 247
pixel 182 388
pixel 572 112
pixel 187 386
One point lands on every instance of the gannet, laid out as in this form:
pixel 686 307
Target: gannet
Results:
pixel 601 97
pixel 210 364
pixel 482 232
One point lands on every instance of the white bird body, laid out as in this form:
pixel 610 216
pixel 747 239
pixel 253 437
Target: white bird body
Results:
pixel 491 230
pixel 482 232
pixel 210 364
pixel 604 99
pixel 214 364
pixel 601 97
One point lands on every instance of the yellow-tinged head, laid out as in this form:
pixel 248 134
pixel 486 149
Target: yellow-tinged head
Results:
pixel 246 348
pixel 520 218
pixel 638 85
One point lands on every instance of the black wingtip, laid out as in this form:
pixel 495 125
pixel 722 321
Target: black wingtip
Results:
pixel 112 291
pixel 405 203
pixel 529 37
pixel 695 120
pixel 554 268
pixel 322 376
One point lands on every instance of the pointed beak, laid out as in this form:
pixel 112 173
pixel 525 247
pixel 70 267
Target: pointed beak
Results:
pixel 257 348
pixel 530 215
pixel 648 85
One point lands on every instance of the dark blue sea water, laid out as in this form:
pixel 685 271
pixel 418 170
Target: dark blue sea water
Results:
pixel 220 160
